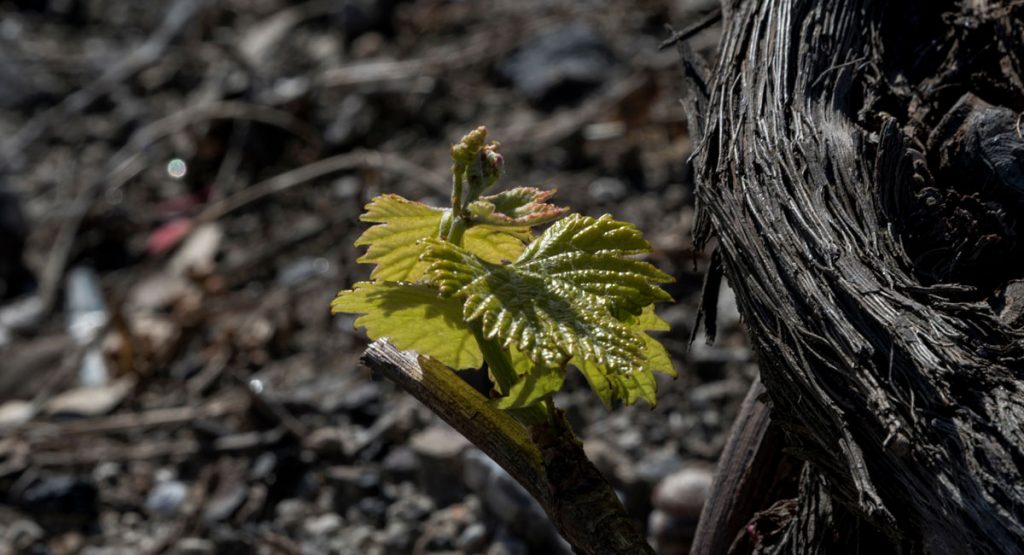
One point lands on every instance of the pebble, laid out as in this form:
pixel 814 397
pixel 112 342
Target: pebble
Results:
pixel 197 255
pixel 413 507
pixel 166 498
pixel 400 464
pixel 263 467
pixel 363 400
pixel 473 539
pixel 90 401
pixel 438 450
pixel 372 509
pixel 606 457
pixel 323 525
pixel 21 534
pixel 61 493
pixel 329 441
pixel 683 493
pixel 399 536
pixel 352 483
pixel 225 502
pixel 290 512
pixel 607 189
pixel 195 546
pixel 346 187
pixel 658 464
pixel 671 535
pixel 678 500
pixel 507 500
pixel 15 412
pixel 303 270
pixel 560 66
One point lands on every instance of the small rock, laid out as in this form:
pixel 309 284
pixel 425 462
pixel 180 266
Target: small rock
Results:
pixel 361 402
pixel 302 270
pixel 439 450
pixel 605 456
pixel 90 401
pixel 166 498
pixel 352 483
pixel 263 467
pixel 61 494
pixel 21 534
pixel 23 314
pixel 225 502
pixel 323 525
pixel 157 292
pixel 373 510
pixel 507 500
pixel 346 187
pixel 288 89
pixel 560 66
pixel 327 441
pixel 473 539
pixel 195 546
pixel 15 412
pixel 400 464
pixel 683 493
pixel 656 465
pixel 671 535
pixel 399 536
pixel 607 189
pixel 197 255
pixel 290 512
pixel 410 508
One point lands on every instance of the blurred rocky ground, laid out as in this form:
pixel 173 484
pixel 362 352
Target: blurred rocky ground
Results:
pixel 180 183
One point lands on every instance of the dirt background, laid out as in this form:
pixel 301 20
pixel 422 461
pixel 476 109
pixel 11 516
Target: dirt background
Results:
pixel 180 183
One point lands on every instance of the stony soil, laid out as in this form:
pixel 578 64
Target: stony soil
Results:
pixel 172 380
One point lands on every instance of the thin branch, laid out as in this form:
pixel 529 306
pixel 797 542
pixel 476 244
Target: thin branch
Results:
pixel 547 460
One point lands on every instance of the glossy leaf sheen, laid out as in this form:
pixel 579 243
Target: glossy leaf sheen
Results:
pixel 415 318
pixel 634 385
pixel 559 299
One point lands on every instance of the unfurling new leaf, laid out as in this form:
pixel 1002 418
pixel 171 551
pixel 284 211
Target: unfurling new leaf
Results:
pixel 463 284
pixel 394 243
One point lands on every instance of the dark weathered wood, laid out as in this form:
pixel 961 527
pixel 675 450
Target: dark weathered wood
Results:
pixel 746 474
pixel 875 252
pixel 547 460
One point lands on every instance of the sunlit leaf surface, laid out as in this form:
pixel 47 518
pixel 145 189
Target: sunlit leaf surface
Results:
pixel 563 299
pixel 415 317
pixel 395 243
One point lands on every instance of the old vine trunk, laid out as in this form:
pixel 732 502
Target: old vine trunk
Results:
pixel 861 168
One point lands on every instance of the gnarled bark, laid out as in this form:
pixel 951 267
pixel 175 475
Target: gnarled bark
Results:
pixel 860 164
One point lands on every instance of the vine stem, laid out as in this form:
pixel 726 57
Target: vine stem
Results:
pixel 547 459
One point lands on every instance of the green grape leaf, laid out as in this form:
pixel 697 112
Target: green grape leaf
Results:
pixel 657 356
pixel 627 386
pixel 535 382
pixel 630 386
pixel 415 318
pixel 559 300
pixel 516 207
pixel 394 243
